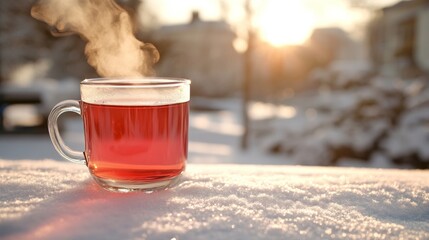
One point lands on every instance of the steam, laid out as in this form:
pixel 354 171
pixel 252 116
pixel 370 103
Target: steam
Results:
pixel 112 49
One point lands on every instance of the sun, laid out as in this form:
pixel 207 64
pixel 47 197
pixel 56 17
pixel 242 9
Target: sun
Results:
pixel 285 22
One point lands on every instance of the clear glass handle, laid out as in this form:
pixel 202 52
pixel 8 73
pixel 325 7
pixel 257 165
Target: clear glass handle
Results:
pixel 57 141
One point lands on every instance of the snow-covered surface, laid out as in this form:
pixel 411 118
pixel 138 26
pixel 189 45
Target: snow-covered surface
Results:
pixel 55 200
pixel 242 196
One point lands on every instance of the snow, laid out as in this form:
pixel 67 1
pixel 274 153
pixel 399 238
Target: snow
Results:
pixel 57 200
pixel 225 193
pixel 352 114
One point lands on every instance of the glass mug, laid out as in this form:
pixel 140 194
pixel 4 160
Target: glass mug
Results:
pixel 136 131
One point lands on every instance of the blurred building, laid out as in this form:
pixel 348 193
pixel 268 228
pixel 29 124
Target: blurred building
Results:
pixel 399 38
pixel 280 70
pixel 334 44
pixel 201 51
pixel 276 71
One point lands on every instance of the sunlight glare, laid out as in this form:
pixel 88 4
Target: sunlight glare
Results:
pixel 210 124
pixel 260 111
pixel 285 22
pixel 210 148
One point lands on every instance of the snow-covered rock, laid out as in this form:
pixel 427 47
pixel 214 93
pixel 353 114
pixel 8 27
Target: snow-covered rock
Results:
pixel 54 200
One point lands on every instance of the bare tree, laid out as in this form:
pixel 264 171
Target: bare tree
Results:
pixel 247 74
pixel 248 30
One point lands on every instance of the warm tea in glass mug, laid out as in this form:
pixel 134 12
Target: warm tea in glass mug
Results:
pixel 136 131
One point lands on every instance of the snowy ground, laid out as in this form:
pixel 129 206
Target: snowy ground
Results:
pixel 58 200
pixel 242 196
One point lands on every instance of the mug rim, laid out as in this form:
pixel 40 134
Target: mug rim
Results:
pixel 137 81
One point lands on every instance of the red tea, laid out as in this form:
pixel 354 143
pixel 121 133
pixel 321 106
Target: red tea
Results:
pixel 136 143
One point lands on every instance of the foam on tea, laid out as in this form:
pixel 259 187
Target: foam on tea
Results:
pixel 116 92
